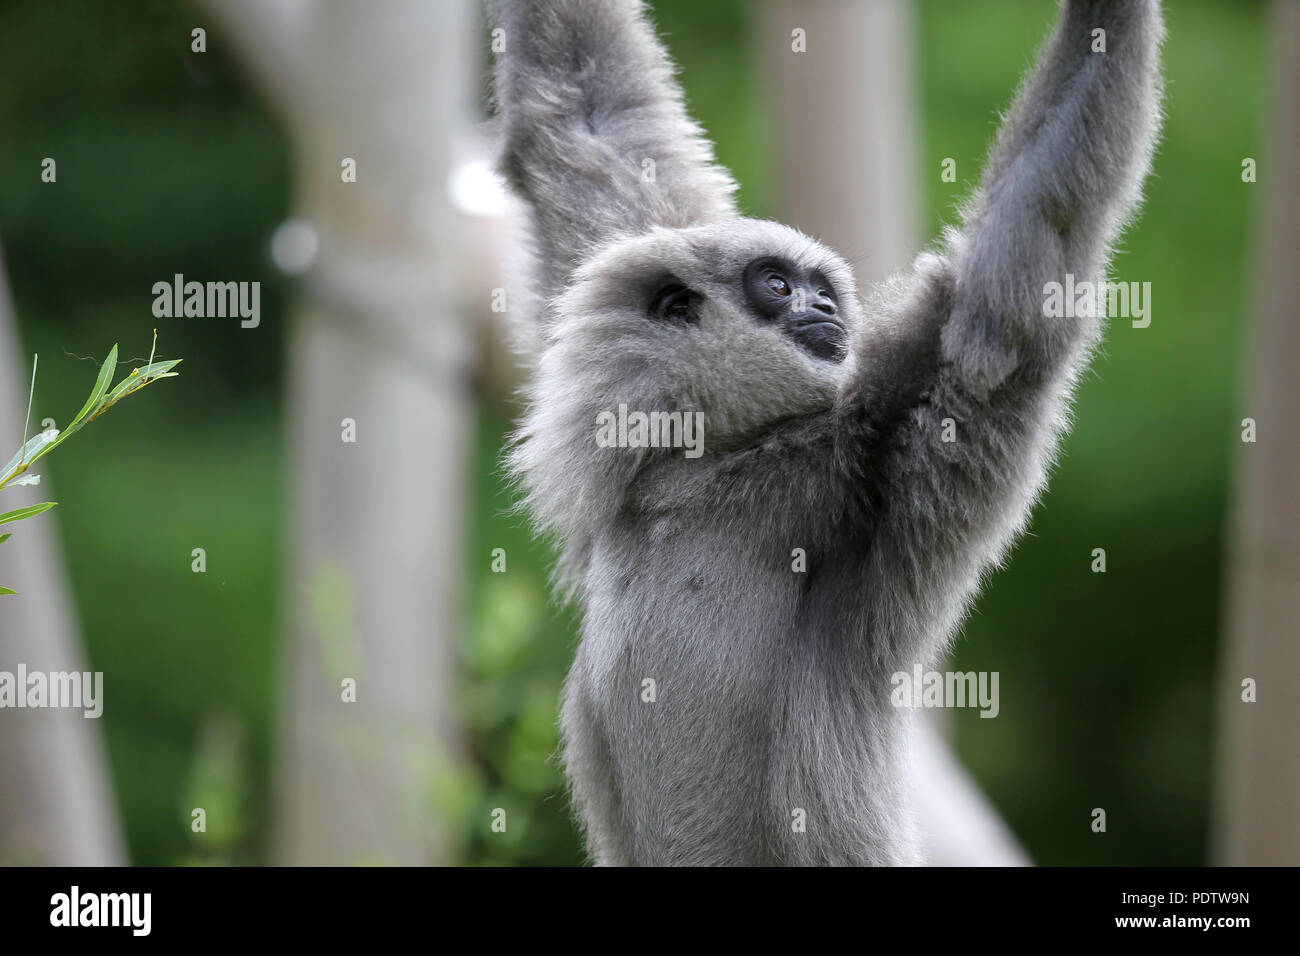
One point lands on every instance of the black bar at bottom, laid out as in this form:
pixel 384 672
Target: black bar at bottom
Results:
pixel 240 905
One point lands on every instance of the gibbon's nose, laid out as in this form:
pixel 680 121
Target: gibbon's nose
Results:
pixel 817 308
pixel 825 306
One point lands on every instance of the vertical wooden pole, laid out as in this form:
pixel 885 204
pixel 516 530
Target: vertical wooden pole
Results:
pixel 1257 819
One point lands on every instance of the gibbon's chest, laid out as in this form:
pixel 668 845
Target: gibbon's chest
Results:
pixel 667 595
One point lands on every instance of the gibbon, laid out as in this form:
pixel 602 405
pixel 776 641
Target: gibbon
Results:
pixel 864 459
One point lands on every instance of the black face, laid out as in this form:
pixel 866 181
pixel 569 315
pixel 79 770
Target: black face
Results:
pixel 800 302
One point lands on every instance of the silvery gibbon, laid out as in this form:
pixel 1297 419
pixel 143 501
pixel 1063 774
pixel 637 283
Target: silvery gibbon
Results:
pixel 865 457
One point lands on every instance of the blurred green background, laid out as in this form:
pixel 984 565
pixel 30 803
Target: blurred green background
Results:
pixel 168 164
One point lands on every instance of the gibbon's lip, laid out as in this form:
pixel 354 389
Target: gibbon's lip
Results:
pixel 812 322
pixel 821 327
pixel 822 335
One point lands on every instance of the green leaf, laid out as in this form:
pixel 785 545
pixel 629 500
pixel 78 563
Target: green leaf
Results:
pixel 154 369
pixel 4 538
pixel 4 590
pixel 105 376
pixel 92 406
pixel 101 386
pixel 18 514
pixel 31 395
pixel 11 469
pixel 139 378
pixel 26 454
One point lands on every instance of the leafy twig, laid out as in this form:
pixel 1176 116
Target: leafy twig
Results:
pixel 101 400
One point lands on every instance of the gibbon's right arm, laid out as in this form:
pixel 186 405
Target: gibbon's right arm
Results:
pixel 597 140
pixel 961 392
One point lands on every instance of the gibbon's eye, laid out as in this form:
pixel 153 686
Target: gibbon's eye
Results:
pixel 674 304
pixel 778 285
pixel 770 285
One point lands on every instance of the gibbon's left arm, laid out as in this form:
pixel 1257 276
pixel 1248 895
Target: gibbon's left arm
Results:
pixel 963 385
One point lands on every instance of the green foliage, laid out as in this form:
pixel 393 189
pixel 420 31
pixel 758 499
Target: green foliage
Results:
pixel 101 399
pixel 514 656
pixel 217 786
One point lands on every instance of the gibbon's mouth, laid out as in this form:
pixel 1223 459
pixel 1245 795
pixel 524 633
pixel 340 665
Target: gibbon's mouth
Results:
pixel 822 335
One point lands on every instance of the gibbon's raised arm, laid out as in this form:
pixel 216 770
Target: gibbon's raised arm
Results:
pixel 961 394
pixel 596 137
pixel 1064 176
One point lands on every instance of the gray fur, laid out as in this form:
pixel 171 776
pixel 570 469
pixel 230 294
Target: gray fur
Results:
pixel 773 686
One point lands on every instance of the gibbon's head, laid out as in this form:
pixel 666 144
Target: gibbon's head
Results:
pixel 746 321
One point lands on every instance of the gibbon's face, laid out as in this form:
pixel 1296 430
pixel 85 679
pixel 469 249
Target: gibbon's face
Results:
pixel 748 321
pixel 801 301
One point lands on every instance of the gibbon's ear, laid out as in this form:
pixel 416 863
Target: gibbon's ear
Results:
pixel 595 135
